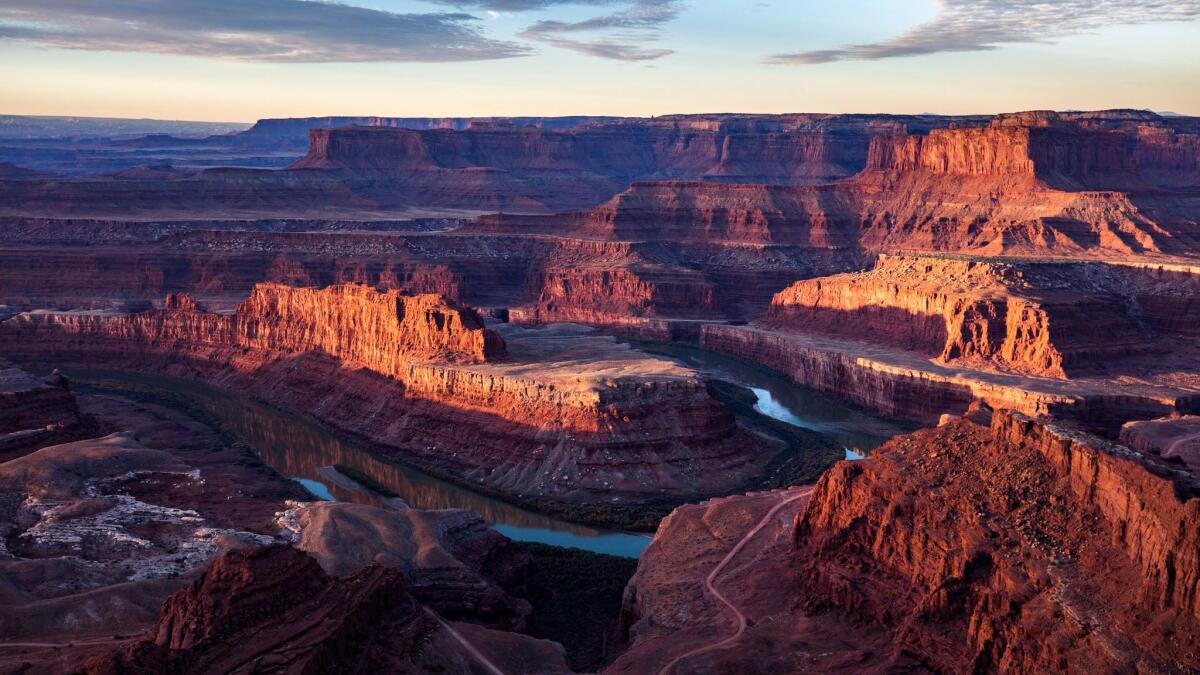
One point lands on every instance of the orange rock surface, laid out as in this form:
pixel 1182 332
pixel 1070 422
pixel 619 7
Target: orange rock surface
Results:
pixel 1027 183
pixel 1045 319
pixel 907 385
pixel 565 416
pixel 1026 547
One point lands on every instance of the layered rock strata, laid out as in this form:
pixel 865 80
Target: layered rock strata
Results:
pixel 450 559
pixel 1031 548
pixel 567 415
pixel 220 268
pixel 34 411
pixel 301 619
pixel 1049 320
pixel 1024 183
pixel 908 386
pixel 1016 547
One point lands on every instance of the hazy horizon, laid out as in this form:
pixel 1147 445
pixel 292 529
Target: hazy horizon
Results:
pixel 251 122
pixel 222 60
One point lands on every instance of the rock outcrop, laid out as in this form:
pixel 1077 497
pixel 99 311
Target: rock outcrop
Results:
pixel 909 386
pixel 1024 183
pixel 1029 548
pixel 381 330
pixel 275 608
pixel 566 416
pixel 1044 319
pixel 384 331
pixel 34 411
pixel 450 559
pixel 672 622
pixel 1057 154
pixel 1019 547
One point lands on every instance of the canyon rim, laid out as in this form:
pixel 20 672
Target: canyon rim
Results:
pixel 613 388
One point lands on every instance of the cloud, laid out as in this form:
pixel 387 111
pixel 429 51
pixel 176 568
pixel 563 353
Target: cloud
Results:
pixel 623 35
pixel 253 30
pixel 519 5
pixel 980 25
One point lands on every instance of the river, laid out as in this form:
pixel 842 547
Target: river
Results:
pixel 857 431
pixel 305 451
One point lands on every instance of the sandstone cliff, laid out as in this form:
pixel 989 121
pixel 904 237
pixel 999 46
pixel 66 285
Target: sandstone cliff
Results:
pixel 769 149
pixel 566 416
pixel 902 384
pixel 382 330
pixel 1025 183
pixel 1021 548
pixel 1061 156
pixel 1050 320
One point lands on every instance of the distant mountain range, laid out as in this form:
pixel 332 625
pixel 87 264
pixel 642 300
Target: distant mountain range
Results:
pixel 37 126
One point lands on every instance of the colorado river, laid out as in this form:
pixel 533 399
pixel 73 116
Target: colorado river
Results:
pixel 305 451
pixel 308 453
pixel 858 432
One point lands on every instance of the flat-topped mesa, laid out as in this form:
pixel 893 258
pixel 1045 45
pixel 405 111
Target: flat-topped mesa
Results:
pixel 1059 155
pixel 384 331
pixel 795 149
pixel 1025 547
pixel 381 329
pixel 616 294
pixel 567 416
pixel 695 211
pixel 1052 320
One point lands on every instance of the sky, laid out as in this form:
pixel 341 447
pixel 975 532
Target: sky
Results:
pixel 241 60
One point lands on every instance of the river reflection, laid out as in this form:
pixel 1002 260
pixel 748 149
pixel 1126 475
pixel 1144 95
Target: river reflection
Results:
pixel 304 450
pixel 778 397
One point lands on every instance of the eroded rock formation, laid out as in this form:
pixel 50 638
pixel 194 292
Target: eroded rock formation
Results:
pixel 1029 547
pixel 1023 183
pixel 1019 547
pixel 451 560
pixel 34 411
pixel 274 607
pixel 567 415
pixel 1050 320
pixel 907 385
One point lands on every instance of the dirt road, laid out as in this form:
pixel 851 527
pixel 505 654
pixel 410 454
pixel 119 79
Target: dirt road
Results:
pixel 710 587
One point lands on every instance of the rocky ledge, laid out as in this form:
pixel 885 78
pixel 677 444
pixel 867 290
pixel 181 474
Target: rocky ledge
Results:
pixel 1022 546
pixel 34 411
pixel 558 414
pixel 1048 319
pixel 303 620
pixel 910 386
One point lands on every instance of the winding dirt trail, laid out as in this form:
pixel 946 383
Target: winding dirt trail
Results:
pixel 1180 441
pixel 711 589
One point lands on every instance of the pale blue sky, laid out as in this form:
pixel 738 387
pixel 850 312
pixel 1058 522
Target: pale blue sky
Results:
pixel 206 60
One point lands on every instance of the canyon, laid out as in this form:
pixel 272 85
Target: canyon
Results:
pixel 554 317
pixel 557 414
pixel 1003 547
